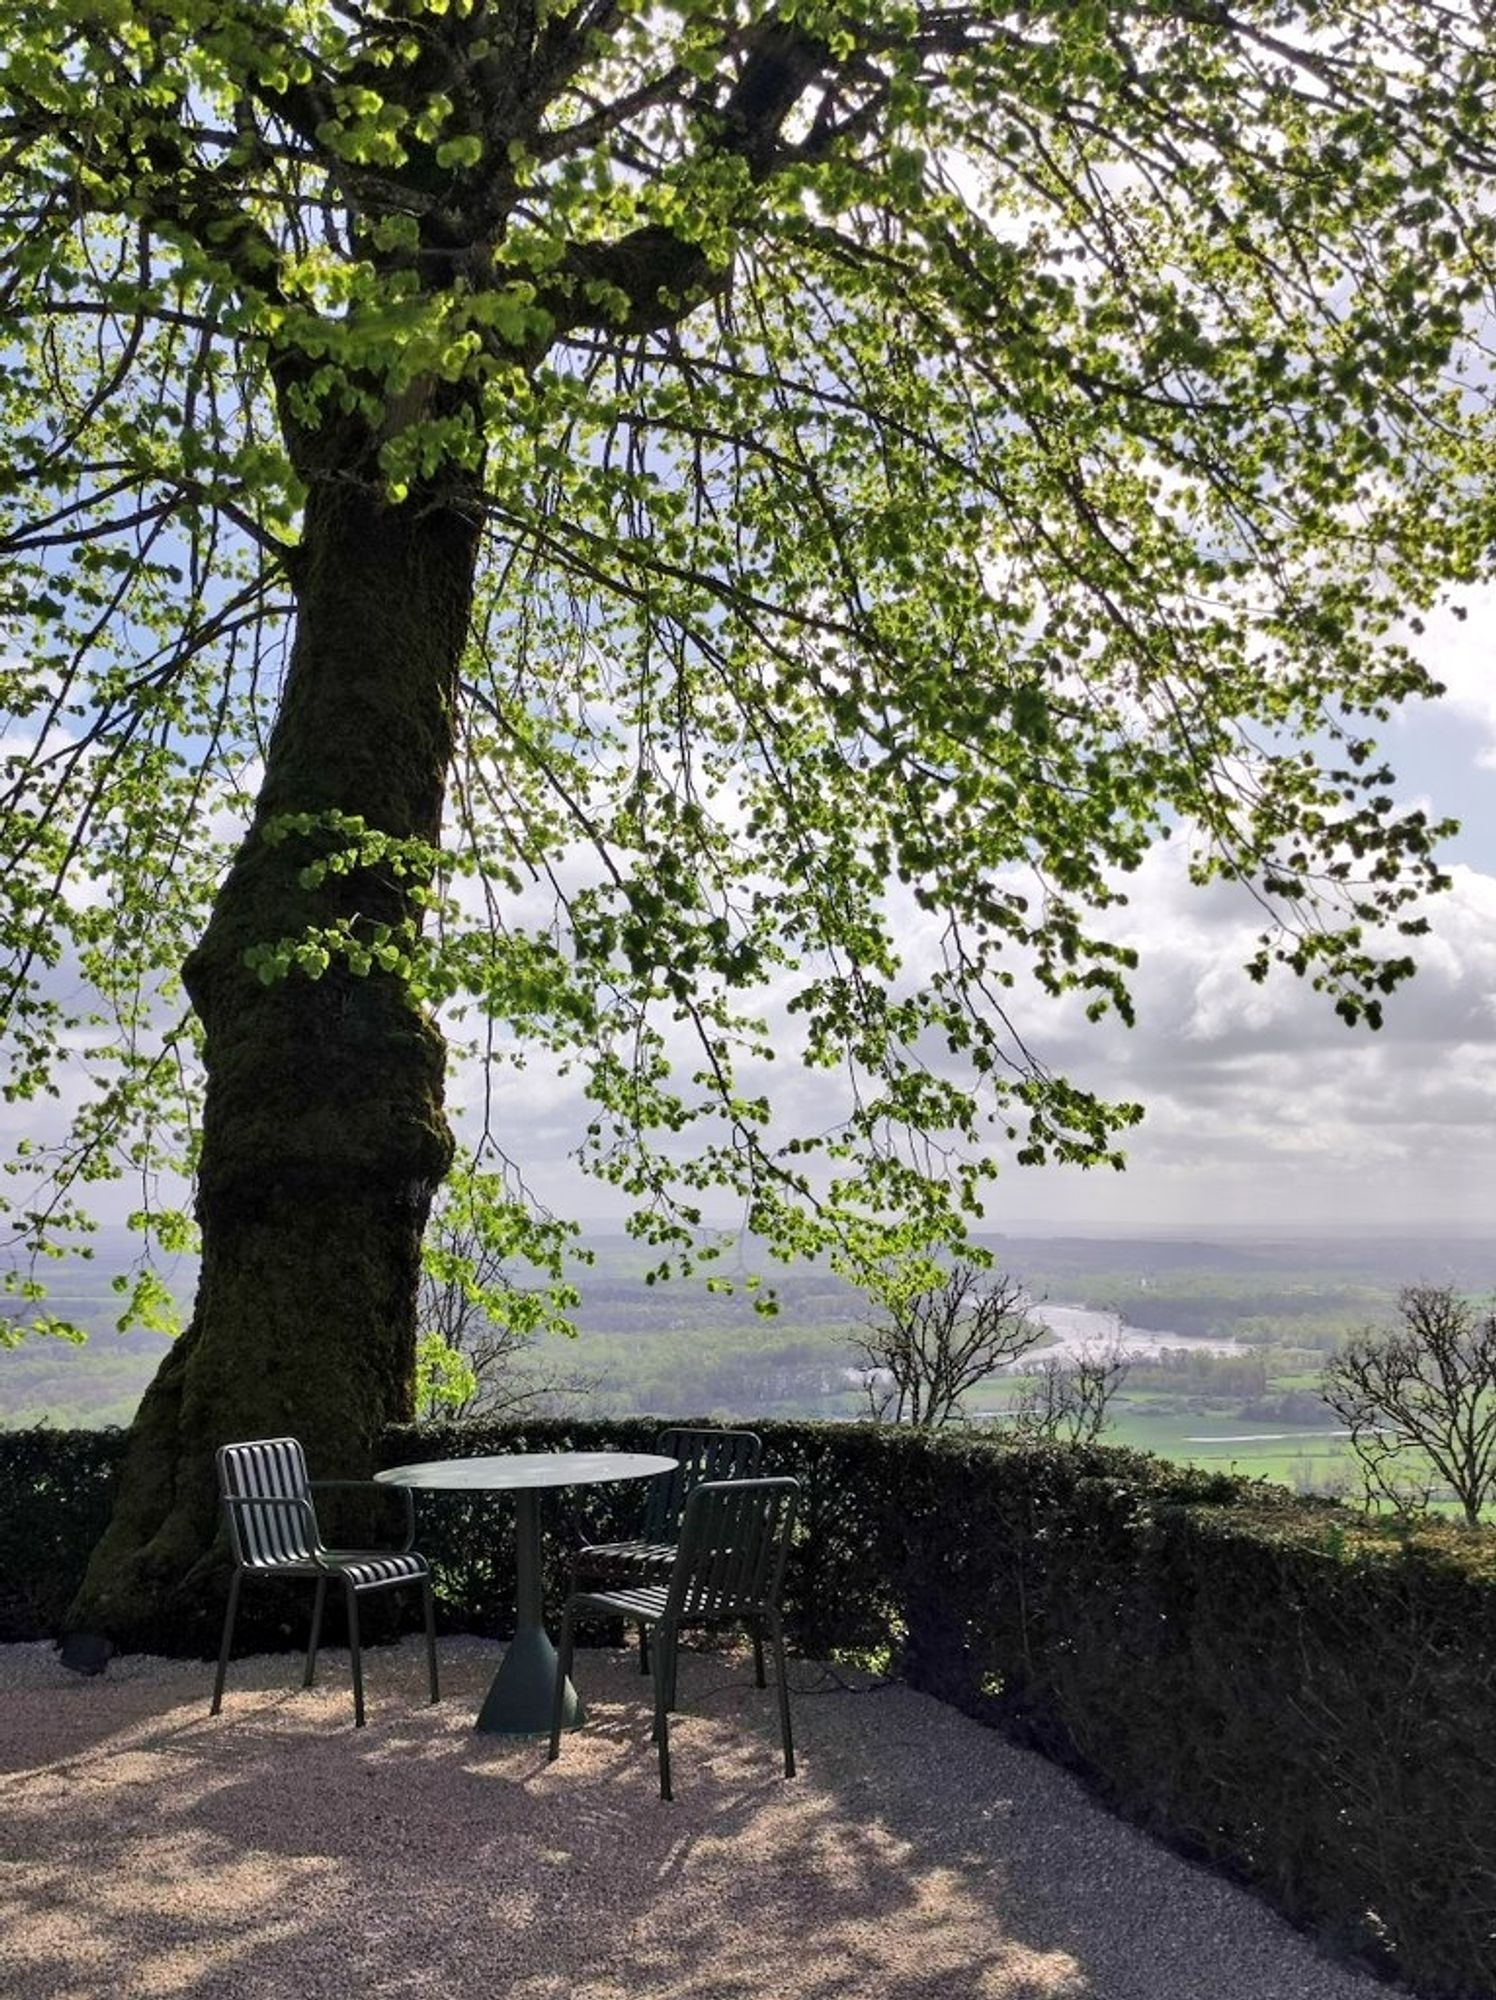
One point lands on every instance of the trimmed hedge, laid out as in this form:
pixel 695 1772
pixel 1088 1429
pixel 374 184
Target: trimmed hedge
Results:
pixel 56 1491
pixel 1302 1697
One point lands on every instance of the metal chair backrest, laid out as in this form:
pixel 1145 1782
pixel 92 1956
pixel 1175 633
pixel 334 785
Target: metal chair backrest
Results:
pixel 734 1538
pixel 701 1455
pixel 270 1469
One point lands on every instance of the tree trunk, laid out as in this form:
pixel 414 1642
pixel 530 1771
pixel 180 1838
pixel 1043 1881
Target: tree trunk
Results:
pixel 323 1129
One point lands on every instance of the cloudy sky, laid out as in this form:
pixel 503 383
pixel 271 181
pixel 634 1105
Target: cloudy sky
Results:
pixel 1263 1110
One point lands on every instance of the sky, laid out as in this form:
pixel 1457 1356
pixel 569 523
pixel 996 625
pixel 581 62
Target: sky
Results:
pixel 1264 1111
pixel 1263 1108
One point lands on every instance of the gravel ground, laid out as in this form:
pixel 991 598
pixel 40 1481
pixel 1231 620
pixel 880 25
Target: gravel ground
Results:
pixel 147 1849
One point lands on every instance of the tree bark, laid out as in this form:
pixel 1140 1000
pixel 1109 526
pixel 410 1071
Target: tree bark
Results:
pixel 324 1135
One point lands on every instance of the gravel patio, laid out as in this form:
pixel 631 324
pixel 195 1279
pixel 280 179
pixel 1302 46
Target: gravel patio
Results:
pixel 149 1850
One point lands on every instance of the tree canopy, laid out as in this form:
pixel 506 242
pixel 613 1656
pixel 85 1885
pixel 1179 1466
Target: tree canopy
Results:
pixel 684 535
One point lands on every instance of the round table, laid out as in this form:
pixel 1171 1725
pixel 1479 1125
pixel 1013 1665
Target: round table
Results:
pixel 519 1701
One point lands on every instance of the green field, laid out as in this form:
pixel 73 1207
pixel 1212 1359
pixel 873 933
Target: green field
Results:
pixel 1301 1457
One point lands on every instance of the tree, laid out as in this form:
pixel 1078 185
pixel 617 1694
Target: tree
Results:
pixel 935 1341
pixel 564 529
pixel 1069 1400
pixel 1420 1402
pixel 477 1327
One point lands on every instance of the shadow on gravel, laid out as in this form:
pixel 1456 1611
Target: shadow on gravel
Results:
pixel 146 1849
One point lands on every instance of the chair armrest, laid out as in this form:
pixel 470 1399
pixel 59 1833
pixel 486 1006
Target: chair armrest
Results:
pixel 377 1486
pixel 237 1502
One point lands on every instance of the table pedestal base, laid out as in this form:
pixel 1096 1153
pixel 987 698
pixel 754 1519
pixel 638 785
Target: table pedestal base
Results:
pixel 519 1701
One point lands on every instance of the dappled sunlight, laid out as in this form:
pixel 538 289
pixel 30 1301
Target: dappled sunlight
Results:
pixel 183 1918
pixel 146 1848
pixel 104 1867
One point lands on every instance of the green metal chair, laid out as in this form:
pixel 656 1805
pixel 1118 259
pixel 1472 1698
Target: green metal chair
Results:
pixel 701 1453
pixel 273 1531
pixel 728 1569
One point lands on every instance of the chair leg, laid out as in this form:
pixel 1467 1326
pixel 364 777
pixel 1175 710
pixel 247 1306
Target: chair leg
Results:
pixel 563 1668
pixel 784 1697
pixel 353 1647
pixel 429 1606
pixel 644 1649
pixel 315 1640
pixel 664 1674
pixel 758 1655
pixel 230 1611
pixel 672 1671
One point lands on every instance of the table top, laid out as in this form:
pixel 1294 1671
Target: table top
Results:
pixel 527 1469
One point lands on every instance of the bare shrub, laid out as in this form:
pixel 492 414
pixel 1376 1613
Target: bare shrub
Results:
pixel 931 1345
pixel 1419 1400
pixel 1068 1400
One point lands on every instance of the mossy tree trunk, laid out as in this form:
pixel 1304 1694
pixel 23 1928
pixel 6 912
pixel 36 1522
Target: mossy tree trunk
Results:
pixel 323 1129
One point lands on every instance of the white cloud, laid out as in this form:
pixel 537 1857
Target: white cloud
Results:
pixel 1263 1107
pixel 1461 652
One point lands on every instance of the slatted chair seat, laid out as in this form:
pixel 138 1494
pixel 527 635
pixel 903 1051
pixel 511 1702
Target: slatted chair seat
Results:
pixel 607 1560
pixel 701 1453
pixel 273 1531
pixel 639 1600
pixel 368 1569
pixel 728 1569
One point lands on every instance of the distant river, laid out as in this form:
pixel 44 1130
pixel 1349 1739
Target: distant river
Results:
pixel 1077 1327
